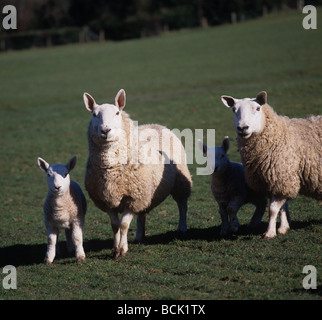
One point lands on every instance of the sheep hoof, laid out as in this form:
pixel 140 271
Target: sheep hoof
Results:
pixel 81 258
pixel 47 261
pixel 282 230
pixel 269 235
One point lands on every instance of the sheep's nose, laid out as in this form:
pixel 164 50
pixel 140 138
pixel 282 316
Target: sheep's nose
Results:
pixel 57 188
pixel 105 130
pixel 242 129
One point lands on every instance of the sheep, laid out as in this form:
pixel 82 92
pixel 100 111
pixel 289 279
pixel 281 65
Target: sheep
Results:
pixel 282 157
pixel 229 188
pixel 64 208
pixel 132 169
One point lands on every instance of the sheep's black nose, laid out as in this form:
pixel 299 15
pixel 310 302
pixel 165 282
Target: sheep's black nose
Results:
pixel 242 129
pixel 105 130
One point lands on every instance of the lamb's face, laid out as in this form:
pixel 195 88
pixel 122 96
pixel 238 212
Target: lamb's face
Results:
pixel 217 159
pixel 106 122
pixel 248 114
pixel 58 178
pixel 221 159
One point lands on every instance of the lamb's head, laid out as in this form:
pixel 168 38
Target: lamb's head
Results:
pixel 58 178
pixel 106 121
pixel 248 115
pixel 217 159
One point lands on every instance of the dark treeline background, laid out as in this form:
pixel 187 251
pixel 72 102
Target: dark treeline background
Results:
pixel 63 21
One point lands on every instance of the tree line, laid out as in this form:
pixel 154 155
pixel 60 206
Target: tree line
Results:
pixel 126 19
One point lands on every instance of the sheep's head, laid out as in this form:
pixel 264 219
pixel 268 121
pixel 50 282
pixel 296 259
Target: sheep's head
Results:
pixel 58 178
pixel 106 119
pixel 217 159
pixel 248 114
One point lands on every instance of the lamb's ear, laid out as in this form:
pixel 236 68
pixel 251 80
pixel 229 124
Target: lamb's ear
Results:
pixel 89 102
pixel 228 101
pixel 120 99
pixel 42 164
pixel 202 147
pixel 71 163
pixel 225 143
pixel 261 98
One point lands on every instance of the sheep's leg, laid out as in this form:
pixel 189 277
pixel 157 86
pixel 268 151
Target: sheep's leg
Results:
pixel 125 224
pixel 69 241
pixel 52 236
pixel 285 219
pixel 232 210
pixel 115 223
pixel 224 229
pixel 258 214
pixel 183 208
pixel 77 236
pixel 140 228
pixel 274 208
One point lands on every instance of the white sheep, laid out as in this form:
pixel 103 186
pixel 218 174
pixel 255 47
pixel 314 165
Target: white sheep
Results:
pixel 282 157
pixel 132 169
pixel 64 208
pixel 229 187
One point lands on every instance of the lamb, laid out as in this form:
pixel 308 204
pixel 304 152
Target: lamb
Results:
pixel 132 169
pixel 64 208
pixel 282 157
pixel 229 187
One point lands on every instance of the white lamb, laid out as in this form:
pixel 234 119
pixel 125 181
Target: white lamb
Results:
pixel 229 188
pixel 132 169
pixel 282 157
pixel 64 208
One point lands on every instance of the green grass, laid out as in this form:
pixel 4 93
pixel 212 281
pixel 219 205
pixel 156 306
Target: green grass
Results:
pixel 175 80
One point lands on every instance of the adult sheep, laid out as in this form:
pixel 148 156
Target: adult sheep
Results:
pixel 132 169
pixel 282 157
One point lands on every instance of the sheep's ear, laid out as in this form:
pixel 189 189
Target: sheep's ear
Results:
pixel 202 146
pixel 228 101
pixel 89 102
pixel 71 163
pixel 120 99
pixel 261 98
pixel 225 143
pixel 42 164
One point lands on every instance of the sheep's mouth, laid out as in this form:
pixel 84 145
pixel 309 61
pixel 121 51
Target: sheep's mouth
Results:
pixel 244 135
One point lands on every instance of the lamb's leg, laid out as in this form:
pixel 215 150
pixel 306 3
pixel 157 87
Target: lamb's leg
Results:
pixel 232 210
pixel 51 245
pixel 274 209
pixel 140 228
pixel 183 208
pixel 285 219
pixel 125 224
pixel 77 236
pixel 224 229
pixel 258 214
pixel 115 223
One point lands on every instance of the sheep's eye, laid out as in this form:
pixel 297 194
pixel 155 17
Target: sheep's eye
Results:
pixel 117 113
pixel 258 108
pixel 234 109
pixel 94 114
pixel 222 156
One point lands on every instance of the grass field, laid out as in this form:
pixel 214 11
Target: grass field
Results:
pixel 175 80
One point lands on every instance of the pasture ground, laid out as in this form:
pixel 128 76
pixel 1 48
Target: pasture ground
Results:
pixel 175 80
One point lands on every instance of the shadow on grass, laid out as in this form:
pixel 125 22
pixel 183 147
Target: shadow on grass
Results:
pixel 29 254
